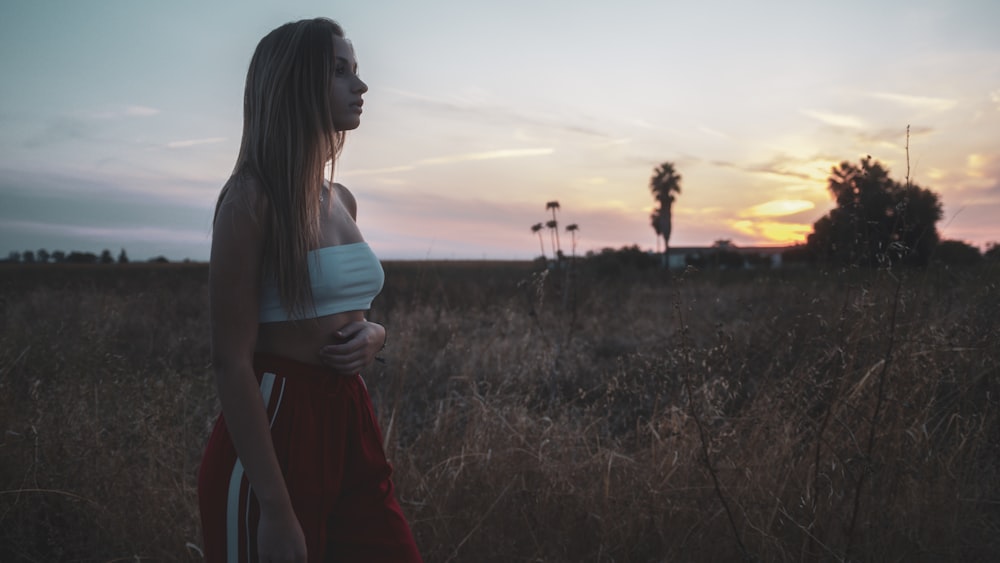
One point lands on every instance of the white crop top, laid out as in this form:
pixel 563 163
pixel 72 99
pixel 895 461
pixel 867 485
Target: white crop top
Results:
pixel 345 277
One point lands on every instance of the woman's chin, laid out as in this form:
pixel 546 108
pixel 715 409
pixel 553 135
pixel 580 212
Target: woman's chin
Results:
pixel 348 124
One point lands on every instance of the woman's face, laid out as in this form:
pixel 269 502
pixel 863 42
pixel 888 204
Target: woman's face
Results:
pixel 347 87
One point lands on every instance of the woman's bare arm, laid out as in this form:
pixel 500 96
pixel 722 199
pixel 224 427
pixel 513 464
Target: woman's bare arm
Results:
pixel 234 292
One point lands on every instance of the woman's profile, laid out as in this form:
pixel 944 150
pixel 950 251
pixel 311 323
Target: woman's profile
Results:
pixel 294 469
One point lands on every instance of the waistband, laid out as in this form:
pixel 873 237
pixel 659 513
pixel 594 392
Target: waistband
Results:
pixel 287 367
pixel 311 373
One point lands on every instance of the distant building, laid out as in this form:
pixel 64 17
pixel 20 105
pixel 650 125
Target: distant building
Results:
pixel 725 255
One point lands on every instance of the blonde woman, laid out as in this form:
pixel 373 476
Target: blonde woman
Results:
pixel 294 470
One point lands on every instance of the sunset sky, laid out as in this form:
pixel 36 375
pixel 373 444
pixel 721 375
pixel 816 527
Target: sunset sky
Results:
pixel 120 119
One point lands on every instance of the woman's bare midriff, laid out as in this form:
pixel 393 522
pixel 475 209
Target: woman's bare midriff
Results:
pixel 302 340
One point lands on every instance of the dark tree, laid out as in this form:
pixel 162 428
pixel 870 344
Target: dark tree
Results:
pixel 28 257
pixel 877 221
pixel 957 253
pixel 106 257
pixel 611 262
pixel 664 184
pixel 42 255
pixel 76 257
pixel 58 256
pixel 122 257
pixel 992 252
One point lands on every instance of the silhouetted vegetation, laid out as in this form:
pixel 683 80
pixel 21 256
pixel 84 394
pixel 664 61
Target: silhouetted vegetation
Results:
pixel 992 252
pixel 956 253
pixel 43 256
pixel 664 184
pixel 81 258
pixel 877 221
pixel 553 226
pixel 621 262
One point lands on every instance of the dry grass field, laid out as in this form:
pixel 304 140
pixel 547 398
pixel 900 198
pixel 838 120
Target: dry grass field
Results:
pixel 638 416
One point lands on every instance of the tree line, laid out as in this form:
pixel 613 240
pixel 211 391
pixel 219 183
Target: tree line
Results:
pixel 43 256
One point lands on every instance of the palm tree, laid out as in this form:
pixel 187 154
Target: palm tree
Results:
pixel 537 229
pixel 664 184
pixel 553 224
pixel 572 229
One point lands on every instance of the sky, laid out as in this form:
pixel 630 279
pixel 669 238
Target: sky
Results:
pixel 120 119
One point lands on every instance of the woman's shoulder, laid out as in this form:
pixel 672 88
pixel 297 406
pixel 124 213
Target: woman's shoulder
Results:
pixel 243 192
pixel 347 198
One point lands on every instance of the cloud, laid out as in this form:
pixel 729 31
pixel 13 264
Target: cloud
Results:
pixel 837 120
pixel 140 111
pixel 916 102
pixel 127 111
pixel 487 155
pixel 713 132
pixel 121 235
pixel 451 159
pixel 496 113
pixel 894 136
pixel 772 232
pixel 83 211
pixel 778 208
pixel 194 142
pixel 982 172
pixel 974 164
pixel 814 168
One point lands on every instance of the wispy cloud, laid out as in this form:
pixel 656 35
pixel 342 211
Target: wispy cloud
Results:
pixel 127 111
pixel 895 136
pixel 496 113
pixel 835 119
pixel 452 159
pixel 194 142
pixel 713 132
pixel 487 155
pixel 812 168
pixel 916 102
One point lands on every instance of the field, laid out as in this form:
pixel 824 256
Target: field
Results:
pixel 543 416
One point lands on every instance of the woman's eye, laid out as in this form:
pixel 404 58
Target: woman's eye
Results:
pixel 339 71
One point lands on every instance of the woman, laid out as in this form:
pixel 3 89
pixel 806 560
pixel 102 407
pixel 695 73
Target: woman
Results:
pixel 294 469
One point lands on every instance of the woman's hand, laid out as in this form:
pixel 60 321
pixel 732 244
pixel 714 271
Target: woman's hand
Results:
pixel 280 538
pixel 357 344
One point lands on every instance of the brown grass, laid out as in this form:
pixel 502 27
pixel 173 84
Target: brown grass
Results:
pixel 778 416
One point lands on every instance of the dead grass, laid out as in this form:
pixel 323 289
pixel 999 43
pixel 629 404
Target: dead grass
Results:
pixel 543 418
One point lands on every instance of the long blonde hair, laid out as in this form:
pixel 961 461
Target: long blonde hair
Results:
pixel 288 137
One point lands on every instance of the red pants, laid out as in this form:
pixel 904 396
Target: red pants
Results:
pixel 329 447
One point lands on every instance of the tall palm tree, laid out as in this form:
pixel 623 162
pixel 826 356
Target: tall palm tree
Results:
pixel 572 229
pixel 553 224
pixel 664 184
pixel 537 229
